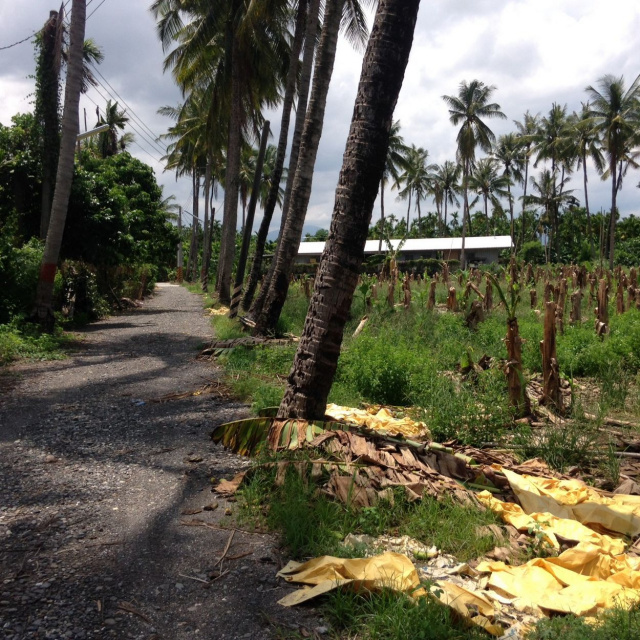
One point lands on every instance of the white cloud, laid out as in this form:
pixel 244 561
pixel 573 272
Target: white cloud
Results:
pixel 535 51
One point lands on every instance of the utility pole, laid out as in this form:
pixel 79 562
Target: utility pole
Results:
pixel 180 245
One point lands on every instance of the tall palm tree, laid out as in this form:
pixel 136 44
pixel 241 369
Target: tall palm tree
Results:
pixel 363 165
pixel 43 311
pixel 616 113
pixel 581 130
pixel 353 24
pixel 416 177
pixel 527 130
pixel 509 153
pixel 396 160
pixel 267 308
pixel 305 31
pixel 487 182
pixel 468 109
pixel 448 177
pixel 550 144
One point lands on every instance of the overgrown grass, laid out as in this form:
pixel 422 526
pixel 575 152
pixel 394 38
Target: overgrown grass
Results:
pixel 312 524
pixel 616 624
pixel 392 616
pixel 410 358
pixel 25 340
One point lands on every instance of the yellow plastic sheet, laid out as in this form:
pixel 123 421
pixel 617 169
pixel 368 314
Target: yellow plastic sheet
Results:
pixel 389 570
pixel 381 420
pixel 574 500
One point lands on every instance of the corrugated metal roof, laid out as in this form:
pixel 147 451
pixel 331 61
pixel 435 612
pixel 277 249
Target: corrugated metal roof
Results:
pixel 421 244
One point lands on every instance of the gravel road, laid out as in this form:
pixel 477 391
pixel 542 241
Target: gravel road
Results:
pixel 96 478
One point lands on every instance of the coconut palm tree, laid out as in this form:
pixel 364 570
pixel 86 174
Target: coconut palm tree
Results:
pixel 616 113
pixel 305 31
pixel 363 165
pixel 396 161
pixel 491 185
pixel 43 311
pixel 581 130
pixel 353 24
pixel 509 153
pixel 448 177
pixel 416 177
pixel 469 109
pixel 108 141
pixel 527 130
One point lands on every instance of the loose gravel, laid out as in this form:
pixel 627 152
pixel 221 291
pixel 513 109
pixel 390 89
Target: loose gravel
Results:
pixel 96 477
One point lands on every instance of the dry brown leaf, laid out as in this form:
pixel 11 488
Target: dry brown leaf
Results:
pixel 229 487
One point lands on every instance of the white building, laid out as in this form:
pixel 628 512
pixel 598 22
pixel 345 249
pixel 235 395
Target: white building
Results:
pixel 478 249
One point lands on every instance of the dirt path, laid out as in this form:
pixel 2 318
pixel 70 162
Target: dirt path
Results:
pixel 95 476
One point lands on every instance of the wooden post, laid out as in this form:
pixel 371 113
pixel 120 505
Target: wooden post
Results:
pixel 431 300
pixel 533 294
pixel 518 398
pixel 548 292
pixel 602 310
pixel 620 298
pixel 445 273
pixel 475 315
pixel 633 277
pixel 452 302
pixel 488 295
pixel 406 286
pixel 576 307
pixel 631 297
pixel 550 368
pixel 562 299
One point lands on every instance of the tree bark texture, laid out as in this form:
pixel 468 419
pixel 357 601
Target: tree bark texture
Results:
pixel 518 398
pixel 276 176
pixel 278 285
pixel 550 368
pixel 230 213
pixel 43 311
pixel 206 240
pixel 382 74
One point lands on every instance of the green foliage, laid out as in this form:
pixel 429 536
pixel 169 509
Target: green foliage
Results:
pixel 24 340
pixel 532 252
pixel 617 623
pixel 392 616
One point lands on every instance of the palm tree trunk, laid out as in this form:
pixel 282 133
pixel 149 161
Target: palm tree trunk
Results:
pixel 248 227
pixel 234 141
pixel 513 244
pixel 408 211
pixel 381 214
pixel 311 33
pixel 43 311
pixel 204 274
pixel 276 175
pixel 524 196
pixel 465 213
pixel 586 204
pixel 278 286
pixel 444 229
pixel 612 222
pixel 192 264
pixel 363 164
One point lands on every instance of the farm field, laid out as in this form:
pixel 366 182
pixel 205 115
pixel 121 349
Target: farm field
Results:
pixel 433 350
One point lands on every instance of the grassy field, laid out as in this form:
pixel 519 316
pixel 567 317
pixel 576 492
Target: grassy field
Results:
pixel 412 358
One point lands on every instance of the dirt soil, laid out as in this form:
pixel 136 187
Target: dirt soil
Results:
pixel 96 479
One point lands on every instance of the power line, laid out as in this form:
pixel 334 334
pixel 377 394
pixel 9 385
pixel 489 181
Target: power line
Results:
pixel 90 1
pixel 124 102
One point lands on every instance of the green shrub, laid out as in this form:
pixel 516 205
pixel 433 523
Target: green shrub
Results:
pixel 532 252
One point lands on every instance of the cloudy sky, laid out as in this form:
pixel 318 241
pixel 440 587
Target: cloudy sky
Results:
pixel 535 52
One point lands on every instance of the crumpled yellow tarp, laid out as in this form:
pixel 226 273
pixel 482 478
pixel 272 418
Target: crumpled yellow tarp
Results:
pixel 389 570
pixel 381 420
pixel 574 500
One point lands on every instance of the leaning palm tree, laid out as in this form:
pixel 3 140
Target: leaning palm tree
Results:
pixel 581 129
pixel 43 311
pixel 509 153
pixel 527 130
pixel 383 69
pixel 616 114
pixel 468 109
pixel 395 162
